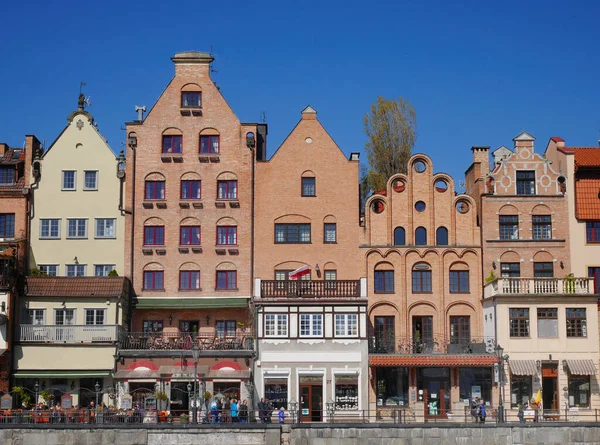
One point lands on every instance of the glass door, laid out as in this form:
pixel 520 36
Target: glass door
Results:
pixel 311 403
pixel 435 383
pixel 384 334
pixel 423 335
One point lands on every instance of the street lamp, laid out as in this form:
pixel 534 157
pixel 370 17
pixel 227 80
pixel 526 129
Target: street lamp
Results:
pixel 195 355
pixel 294 408
pixel 97 387
pixel 501 358
pixel 329 406
pixel 36 387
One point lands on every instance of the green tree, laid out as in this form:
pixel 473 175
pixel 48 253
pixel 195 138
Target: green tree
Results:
pixel 35 272
pixel 390 127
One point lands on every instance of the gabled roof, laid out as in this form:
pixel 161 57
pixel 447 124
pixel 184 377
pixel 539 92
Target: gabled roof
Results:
pixel 587 203
pixel 13 156
pixel 524 136
pixel 96 287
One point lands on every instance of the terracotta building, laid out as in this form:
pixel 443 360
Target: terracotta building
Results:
pixel 312 331
pixel 189 196
pixel 15 164
pixel 534 306
pixel 422 253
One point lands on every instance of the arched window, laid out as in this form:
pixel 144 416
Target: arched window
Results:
pixel 399 236
pixel 441 236
pixel 421 236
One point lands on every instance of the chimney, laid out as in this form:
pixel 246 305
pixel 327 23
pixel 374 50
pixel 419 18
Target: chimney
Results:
pixel 3 148
pixel 32 147
pixel 192 64
pixel 261 142
pixel 524 140
pixel 309 113
pixel 481 161
pixel 560 142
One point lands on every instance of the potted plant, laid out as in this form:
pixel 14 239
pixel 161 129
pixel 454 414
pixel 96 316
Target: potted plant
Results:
pixel 184 419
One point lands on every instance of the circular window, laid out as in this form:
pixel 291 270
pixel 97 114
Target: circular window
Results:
pixel 441 185
pixel 419 166
pixel 561 179
pixel 308 140
pixel 462 207
pixel 399 186
pixel 420 206
pixel 377 206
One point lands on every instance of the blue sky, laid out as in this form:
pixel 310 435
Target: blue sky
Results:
pixel 477 72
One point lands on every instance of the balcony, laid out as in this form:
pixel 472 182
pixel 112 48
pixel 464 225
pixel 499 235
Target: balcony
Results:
pixel 311 288
pixel 431 346
pixel 61 334
pixel 539 286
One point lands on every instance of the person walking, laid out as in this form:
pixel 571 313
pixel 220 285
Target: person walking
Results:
pixel 244 412
pixel 214 411
pixel 521 414
pixel 234 411
pixel 475 409
pixel 262 410
pixel 281 415
pixel 482 413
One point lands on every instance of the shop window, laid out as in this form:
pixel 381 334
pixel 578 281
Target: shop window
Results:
pixel 391 386
pixel 276 392
pixel 520 390
pixel 475 382
pixel 579 391
pixel 346 392
pixel 229 390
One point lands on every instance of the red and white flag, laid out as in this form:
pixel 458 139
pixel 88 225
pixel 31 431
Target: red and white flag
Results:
pixel 300 272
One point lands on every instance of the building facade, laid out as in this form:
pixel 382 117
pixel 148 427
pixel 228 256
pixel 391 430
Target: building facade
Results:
pixel 77 226
pixel 312 327
pixel 190 165
pixel 534 306
pixel 422 255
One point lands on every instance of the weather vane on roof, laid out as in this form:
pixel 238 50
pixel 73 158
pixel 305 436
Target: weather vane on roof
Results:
pixel 83 101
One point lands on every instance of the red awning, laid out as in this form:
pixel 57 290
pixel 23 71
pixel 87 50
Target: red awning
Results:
pixel 433 360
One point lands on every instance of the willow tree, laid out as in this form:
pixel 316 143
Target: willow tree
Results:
pixel 390 127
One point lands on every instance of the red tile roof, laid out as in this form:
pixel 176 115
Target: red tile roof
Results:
pixel 433 360
pixel 587 203
pixel 586 156
pixel 75 286
pixel 557 139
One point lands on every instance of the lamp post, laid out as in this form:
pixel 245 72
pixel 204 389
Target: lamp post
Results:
pixel 195 355
pixel 501 357
pixel 97 388
pixel 189 389
pixel 36 387
pixel 329 406
pixel 294 408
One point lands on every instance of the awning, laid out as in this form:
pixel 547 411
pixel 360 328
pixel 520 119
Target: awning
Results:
pixel 581 367
pixel 522 367
pixel 417 360
pixel 191 303
pixel 60 374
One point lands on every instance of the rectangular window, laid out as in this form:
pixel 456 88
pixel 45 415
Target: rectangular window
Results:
pixel 102 270
pixel 152 326
pixel 459 281
pixel 69 180
pixel 330 231
pixel 392 386
pixel 49 269
pixel 105 228
pixel 227 189
pixel 460 330
pixel 576 322
pixel 579 391
pixel 189 236
pixel 526 182
pixel 7 176
pixel 543 270
pixel 154 190
pixel 519 322
pixel 153 280
pixel 346 392
pixel 90 180
pixel 510 270
pixel 49 228
pixel 330 277
pixel 210 144
pixel 520 390
pixel 76 270
pixel 421 281
pixel 509 227
pixel 64 317
pixel 191 189
pixel 592 231
pixel 542 226
pixel 292 233
pixel 172 144
pixel 189 279
pixel 311 325
pixel 276 392
pixel 7 225
pixel 226 279
pixel 154 236
pixel 384 333
pixel 77 228
pixel 35 316
pixel 594 272
pixel 226 235
pixel 308 187
pixel 94 316
pixel 276 325
pixel 191 99
pixel 225 328
pixel 547 322
pixel 346 325
pixel 384 281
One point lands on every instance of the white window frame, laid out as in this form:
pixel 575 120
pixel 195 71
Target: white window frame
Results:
pixel 345 325
pixel 62 180
pixel 42 267
pixel 76 266
pixel 96 311
pixel 32 316
pixel 312 324
pixel 74 319
pixel 49 221
pixel 104 236
pixel 104 268
pixel 279 325
pixel 85 187
pixel 85 222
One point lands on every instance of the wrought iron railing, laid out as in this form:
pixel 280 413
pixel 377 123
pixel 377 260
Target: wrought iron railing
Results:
pixel 431 345
pixel 183 341
pixel 310 288
pixel 69 333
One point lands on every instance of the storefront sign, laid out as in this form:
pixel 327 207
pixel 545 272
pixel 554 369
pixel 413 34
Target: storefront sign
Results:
pixel 475 392
pixel 6 401
pixel 66 401
pixel 126 402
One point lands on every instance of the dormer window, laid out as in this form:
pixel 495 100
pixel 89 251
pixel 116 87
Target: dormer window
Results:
pixel 191 99
pixel 7 176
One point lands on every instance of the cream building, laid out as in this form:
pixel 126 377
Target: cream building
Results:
pixel 76 226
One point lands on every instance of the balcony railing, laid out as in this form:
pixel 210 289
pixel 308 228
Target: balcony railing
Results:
pixel 69 333
pixel 171 341
pixel 310 289
pixel 432 345
pixel 539 286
